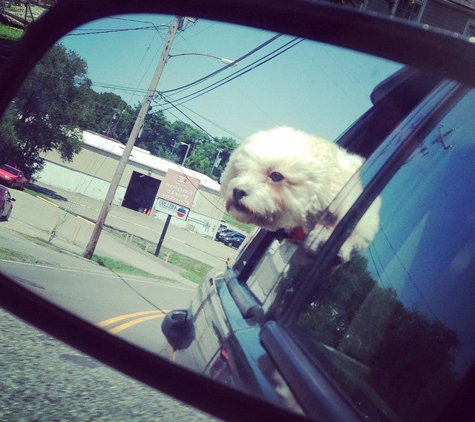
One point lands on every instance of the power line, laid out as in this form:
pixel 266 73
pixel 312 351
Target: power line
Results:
pixel 191 84
pixel 189 118
pixel 237 74
pixel 235 135
pixel 276 52
pixel 109 31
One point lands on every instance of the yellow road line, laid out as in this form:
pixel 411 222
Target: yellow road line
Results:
pixel 134 320
pixel 126 316
pixel 129 324
pixel 85 219
pixel 49 202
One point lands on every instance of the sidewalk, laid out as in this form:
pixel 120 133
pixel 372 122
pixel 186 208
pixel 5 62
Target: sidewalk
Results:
pixel 145 227
pixel 35 218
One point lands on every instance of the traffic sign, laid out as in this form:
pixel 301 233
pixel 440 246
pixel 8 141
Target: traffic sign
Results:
pixel 178 188
pixel 172 209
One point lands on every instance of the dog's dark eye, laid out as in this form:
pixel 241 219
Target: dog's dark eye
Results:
pixel 276 176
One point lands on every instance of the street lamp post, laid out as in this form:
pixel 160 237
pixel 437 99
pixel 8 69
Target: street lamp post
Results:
pixel 216 161
pixel 221 59
pixel 177 24
pixel 187 151
pixel 106 206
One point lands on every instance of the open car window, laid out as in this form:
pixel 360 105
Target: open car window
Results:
pixel 262 259
pixel 390 328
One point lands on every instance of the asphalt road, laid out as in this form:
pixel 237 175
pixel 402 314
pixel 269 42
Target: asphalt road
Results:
pixel 44 380
pixel 129 307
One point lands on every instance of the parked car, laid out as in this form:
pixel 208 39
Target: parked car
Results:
pixel 233 239
pixel 6 203
pixel 12 177
pixel 222 226
pixel 225 232
pixel 288 333
pixel 352 342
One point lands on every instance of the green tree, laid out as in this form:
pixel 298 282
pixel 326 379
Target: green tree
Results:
pixel 155 136
pixel 50 107
pixel 110 115
pixel 56 103
pixel 381 343
pixel 210 156
pixel 8 136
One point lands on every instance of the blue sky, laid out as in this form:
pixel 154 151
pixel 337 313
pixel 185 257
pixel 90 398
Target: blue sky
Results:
pixel 313 87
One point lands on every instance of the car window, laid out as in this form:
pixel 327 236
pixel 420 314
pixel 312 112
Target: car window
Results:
pixel 11 170
pixel 393 327
pixel 392 101
pixel 267 272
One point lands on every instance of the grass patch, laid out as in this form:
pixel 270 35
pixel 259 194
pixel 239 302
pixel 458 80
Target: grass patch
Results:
pixel 10 255
pixel 10 33
pixel 121 267
pixel 34 193
pixel 42 242
pixel 192 269
pixel 241 226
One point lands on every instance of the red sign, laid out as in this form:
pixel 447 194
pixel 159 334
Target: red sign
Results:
pixel 178 188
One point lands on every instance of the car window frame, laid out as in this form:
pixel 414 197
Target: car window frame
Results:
pixel 256 247
pixel 303 374
pixel 379 169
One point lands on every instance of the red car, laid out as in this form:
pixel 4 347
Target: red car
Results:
pixel 12 177
pixel 6 203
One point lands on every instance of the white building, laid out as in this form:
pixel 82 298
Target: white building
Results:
pixel 91 172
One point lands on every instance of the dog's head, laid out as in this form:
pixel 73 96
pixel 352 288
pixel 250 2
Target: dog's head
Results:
pixel 275 177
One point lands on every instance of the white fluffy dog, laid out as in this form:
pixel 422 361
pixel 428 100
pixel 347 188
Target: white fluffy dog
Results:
pixel 287 179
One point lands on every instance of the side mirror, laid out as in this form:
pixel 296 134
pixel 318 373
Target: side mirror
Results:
pixel 178 329
pixel 346 29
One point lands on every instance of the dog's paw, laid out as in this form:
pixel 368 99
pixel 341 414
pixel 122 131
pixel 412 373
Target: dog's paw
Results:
pixel 320 235
pixel 316 238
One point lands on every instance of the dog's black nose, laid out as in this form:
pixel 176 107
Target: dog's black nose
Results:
pixel 238 194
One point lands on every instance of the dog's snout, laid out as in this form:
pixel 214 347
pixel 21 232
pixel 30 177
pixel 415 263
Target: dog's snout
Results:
pixel 238 194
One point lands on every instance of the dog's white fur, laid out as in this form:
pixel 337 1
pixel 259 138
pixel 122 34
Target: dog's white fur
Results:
pixel 282 178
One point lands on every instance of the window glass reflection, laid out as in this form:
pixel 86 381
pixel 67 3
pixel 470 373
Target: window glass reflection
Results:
pixel 394 326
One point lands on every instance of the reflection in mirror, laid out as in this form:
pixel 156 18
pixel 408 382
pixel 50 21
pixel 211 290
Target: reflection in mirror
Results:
pixel 184 93
pixel 392 323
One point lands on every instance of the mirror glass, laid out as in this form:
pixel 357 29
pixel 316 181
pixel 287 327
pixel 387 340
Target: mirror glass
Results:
pixel 202 88
pixel 69 124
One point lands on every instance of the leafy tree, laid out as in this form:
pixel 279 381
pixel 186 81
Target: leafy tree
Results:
pixel 8 136
pixel 48 109
pixel 210 156
pixel 186 134
pixel 403 355
pixel 221 154
pixel 110 115
pixel 155 136
pixel 56 103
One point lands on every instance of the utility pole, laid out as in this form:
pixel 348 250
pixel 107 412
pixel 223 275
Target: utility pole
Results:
pixel 106 206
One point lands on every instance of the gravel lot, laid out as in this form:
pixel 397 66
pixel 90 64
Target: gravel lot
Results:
pixel 44 380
